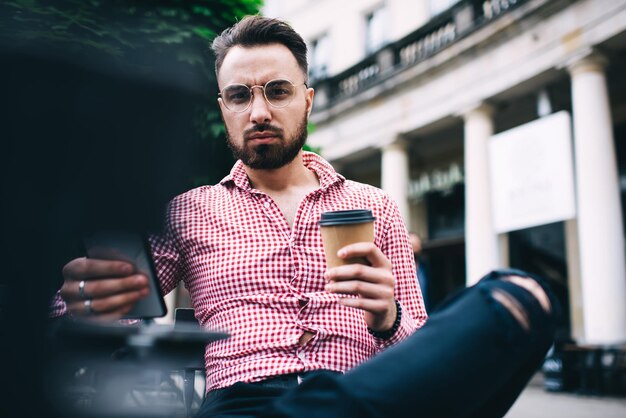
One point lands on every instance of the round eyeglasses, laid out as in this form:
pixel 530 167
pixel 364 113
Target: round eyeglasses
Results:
pixel 278 93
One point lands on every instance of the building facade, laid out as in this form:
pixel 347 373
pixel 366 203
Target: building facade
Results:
pixel 498 126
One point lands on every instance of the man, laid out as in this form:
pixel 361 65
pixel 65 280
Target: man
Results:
pixel 249 249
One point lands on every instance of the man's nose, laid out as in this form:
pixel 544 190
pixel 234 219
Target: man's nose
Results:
pixel 259 108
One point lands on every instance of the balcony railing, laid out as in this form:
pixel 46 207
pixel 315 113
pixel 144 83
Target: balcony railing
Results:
pixel 463 18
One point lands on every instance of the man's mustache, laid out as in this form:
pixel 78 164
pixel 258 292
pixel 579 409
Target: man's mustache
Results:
pixel 265 127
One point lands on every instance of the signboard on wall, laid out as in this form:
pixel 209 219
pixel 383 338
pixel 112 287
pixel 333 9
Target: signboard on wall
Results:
pixel 532 174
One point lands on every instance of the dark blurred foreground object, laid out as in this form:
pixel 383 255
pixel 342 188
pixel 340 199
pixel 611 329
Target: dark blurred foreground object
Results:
pixel 109 107
pixel 124 371
pixel 107 111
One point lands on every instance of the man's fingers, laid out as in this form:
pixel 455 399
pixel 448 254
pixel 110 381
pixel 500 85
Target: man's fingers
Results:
pixel 89 268
pixel 365 249
pixel 115 305
pixel 372 285
pixel 118 302
pixel 376 307
pixel 100 288
pixel 362 289
pixel 108 287
pixel 360 272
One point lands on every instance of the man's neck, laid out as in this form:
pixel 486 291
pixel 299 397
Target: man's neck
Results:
pixel 292 175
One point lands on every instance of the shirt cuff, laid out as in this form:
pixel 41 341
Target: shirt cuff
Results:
pixel 406 327
pixel 385 335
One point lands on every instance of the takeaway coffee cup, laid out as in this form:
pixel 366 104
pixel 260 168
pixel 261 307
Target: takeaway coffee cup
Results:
pixel 344 227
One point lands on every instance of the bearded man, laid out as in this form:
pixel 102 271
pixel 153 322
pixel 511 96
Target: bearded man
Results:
pixel 249 249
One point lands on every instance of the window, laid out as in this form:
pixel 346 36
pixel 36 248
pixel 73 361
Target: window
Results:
pixel 319 57
pixel 375 34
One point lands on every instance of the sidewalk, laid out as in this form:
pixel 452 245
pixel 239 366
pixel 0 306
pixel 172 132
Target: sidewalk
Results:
pixel 535 402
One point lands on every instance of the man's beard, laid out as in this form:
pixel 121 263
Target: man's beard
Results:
pixel 269 156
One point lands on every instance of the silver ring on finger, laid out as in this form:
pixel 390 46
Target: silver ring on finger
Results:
pixel 81 289
pixel 88 308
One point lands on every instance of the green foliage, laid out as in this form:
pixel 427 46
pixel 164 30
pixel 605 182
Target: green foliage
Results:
pixel 119 26
pixel 208 121
pixel 310 128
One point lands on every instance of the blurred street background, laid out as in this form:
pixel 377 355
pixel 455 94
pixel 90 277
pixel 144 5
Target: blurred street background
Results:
pixel 499 128
pixel 535 402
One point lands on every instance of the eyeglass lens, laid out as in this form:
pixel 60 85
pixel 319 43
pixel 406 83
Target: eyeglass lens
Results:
pixel 278 93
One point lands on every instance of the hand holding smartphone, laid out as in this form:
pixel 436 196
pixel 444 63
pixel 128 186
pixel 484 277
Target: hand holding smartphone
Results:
pixel 133 248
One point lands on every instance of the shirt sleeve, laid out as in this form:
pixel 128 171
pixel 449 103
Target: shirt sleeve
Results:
pixel 58 306
pixel 396 246
pixel 166 253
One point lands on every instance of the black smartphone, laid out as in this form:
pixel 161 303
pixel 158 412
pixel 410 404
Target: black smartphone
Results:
pixel 131 247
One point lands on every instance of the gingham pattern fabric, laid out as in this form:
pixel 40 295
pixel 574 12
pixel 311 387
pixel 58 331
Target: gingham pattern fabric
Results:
pixel 250 274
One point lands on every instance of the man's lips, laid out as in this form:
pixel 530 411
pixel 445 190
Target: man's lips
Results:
pixel 263 136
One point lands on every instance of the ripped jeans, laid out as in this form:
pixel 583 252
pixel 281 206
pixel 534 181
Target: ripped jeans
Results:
pixel 471 359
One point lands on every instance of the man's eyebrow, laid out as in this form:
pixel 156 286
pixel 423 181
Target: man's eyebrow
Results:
pixel 262 82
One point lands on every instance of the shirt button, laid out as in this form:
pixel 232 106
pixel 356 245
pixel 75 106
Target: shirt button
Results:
pixel 301 356
pixel 266 205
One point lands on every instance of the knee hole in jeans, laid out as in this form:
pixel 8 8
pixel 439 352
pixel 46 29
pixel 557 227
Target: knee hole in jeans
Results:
pixel 513 306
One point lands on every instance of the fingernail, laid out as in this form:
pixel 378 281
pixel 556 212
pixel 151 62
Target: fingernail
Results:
pixel 341 253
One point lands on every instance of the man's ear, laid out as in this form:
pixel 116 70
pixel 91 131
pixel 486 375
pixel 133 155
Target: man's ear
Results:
pixel 310 93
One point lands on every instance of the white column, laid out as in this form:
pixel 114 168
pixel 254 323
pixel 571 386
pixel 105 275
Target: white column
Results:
pixel 395 176
pixel 481 242
pixel 600 231
pixel 574 290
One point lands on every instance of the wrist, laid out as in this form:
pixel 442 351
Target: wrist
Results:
pixel 385 335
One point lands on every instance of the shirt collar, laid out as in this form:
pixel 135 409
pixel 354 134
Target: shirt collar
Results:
pixel 325 172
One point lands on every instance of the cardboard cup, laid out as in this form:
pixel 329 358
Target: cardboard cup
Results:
pixel 341 228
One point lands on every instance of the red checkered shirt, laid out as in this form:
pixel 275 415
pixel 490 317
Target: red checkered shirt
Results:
pixel 250 274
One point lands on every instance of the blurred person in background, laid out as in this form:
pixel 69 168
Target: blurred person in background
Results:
pixel 422 276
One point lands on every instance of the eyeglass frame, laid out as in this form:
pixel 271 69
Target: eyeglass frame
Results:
pixel 262 87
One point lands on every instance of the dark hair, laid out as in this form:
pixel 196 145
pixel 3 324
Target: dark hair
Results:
pixel 259 30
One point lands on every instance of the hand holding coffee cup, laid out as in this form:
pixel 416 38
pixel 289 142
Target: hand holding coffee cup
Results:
pixel 357 267
pixel 344 227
